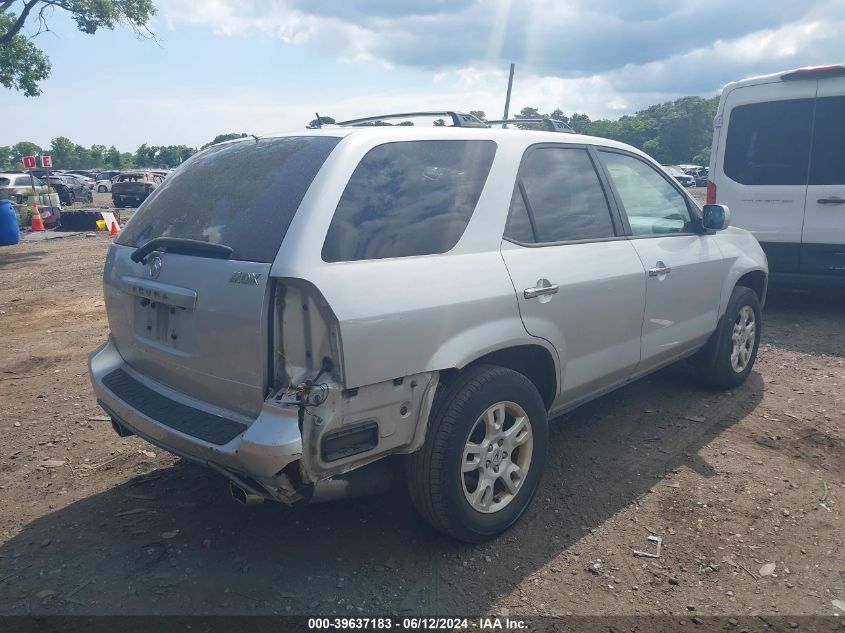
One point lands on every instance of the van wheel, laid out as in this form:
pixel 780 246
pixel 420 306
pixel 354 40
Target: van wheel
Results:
pixel 483 456
pixel 729 356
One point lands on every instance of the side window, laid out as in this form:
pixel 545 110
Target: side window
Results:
pixel 519 227
pixel 408 198
pixel 653 205
pixel 827 163
pixel 564 199
pixel 769 143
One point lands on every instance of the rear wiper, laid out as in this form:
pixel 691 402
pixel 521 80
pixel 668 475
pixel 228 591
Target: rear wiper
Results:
pixel 181 245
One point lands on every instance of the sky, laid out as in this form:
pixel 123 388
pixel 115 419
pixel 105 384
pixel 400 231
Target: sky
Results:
pixel 265 66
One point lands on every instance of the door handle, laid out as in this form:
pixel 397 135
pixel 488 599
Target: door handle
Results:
pixel 831 200
pixel 532 293
pixel 659 269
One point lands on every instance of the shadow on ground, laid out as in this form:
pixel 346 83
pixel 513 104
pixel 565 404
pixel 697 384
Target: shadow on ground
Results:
pixel 17 257
pixel 173 542
pixel 806 321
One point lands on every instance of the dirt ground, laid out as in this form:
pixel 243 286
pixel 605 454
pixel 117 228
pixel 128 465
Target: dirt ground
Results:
pixel 746 489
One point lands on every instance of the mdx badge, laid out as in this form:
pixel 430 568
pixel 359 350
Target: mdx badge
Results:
pixel 155 267
pixel 250 279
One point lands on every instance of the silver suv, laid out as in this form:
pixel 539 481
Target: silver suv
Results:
pixel 304 313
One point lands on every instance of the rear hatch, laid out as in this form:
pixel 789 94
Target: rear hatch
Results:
pixel 195 317
pixel 132 186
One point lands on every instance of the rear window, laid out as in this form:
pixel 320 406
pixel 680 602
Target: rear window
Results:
pixel 769 143
pixel 242 195
pixel 408 198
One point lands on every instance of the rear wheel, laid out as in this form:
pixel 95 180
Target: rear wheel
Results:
pixel 484 455
pixel 729 357
pixel 102 189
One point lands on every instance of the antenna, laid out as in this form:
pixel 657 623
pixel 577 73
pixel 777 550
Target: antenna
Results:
pixel 508 96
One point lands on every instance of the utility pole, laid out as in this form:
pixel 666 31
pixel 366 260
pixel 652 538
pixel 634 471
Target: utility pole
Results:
pixel 508 97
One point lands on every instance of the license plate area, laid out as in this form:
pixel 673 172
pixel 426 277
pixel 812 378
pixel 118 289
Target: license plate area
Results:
pixel 163 324
pixel 163 314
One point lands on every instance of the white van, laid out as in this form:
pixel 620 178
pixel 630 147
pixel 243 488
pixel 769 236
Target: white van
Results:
pixel 778 162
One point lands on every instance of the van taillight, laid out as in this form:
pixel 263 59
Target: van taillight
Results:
pixel 711 192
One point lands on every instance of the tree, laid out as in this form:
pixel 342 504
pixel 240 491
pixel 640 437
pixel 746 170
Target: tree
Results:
pixel 19 150
pixel 222 138
pixel 23 65
pixel 63 152
pixel 478 114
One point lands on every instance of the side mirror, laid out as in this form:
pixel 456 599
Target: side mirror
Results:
pixel 716 217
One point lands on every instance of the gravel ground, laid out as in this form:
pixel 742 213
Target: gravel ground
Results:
pixel 746 489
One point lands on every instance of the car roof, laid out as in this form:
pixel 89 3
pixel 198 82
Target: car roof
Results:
pixel 510 136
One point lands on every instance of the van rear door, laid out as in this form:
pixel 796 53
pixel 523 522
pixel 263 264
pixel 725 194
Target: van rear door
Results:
pixel 762 162
pixel 823 240
pixel 193 317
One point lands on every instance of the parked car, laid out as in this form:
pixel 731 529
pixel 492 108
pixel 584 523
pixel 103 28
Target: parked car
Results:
pixel 71 189
pixel 291 311
pixel 131 188
pixel 104 185
pixel 685 179
pixel 778 159
pixel 16 186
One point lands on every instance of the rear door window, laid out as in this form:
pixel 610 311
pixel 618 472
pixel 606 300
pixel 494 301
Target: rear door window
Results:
pixel 564 196
pixel 408 198
pixel 827 164
pixel 769 143
pixel 243 195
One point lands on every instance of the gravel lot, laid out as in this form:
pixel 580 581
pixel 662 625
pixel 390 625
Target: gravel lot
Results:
pixel 746 489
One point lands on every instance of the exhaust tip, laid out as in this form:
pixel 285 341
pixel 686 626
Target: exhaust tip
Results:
pixel 244 496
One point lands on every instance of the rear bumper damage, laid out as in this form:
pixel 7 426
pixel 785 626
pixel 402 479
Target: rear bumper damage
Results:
pixel 281 453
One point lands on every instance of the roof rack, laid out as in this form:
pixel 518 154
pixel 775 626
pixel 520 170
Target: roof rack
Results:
pixel 552 125
pixel 459 119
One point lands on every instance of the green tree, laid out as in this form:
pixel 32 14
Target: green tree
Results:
pixel 222 138
pixel 23 65
pixel 478 114
pixel 112 158
pixel 63 152
pixel 19 150
pixel 5 158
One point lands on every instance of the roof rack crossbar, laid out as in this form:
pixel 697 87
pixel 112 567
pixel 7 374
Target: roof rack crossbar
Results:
pixel 552 125
pixel 459 119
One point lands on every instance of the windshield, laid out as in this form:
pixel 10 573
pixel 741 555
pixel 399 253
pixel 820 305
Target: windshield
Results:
pixel 242 195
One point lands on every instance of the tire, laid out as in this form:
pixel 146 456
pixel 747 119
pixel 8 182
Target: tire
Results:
pixel 717 362
pixel 441 490
pixel 102 189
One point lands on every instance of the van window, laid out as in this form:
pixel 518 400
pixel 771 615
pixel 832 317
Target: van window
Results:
pixel 242 195
pixel 769 143
pixel 408 198
pixel 827 164
pixel 519 227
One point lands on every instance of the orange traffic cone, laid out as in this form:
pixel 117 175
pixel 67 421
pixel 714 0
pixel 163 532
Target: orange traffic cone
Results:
pixel 37 221
pixel 113 230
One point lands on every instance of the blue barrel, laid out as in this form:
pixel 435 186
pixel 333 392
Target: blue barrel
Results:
pixel 10 232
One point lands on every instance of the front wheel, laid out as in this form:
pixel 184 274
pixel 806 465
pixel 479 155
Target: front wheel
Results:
pixel 484 455
pixel 102 189
pixel 727 359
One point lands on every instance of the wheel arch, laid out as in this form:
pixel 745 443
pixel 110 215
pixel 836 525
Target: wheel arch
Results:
pixel 534 361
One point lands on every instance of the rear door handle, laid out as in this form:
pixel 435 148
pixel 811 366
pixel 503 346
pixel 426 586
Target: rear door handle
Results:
pixel 831 200
pixel 532 293
pixel 659 269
